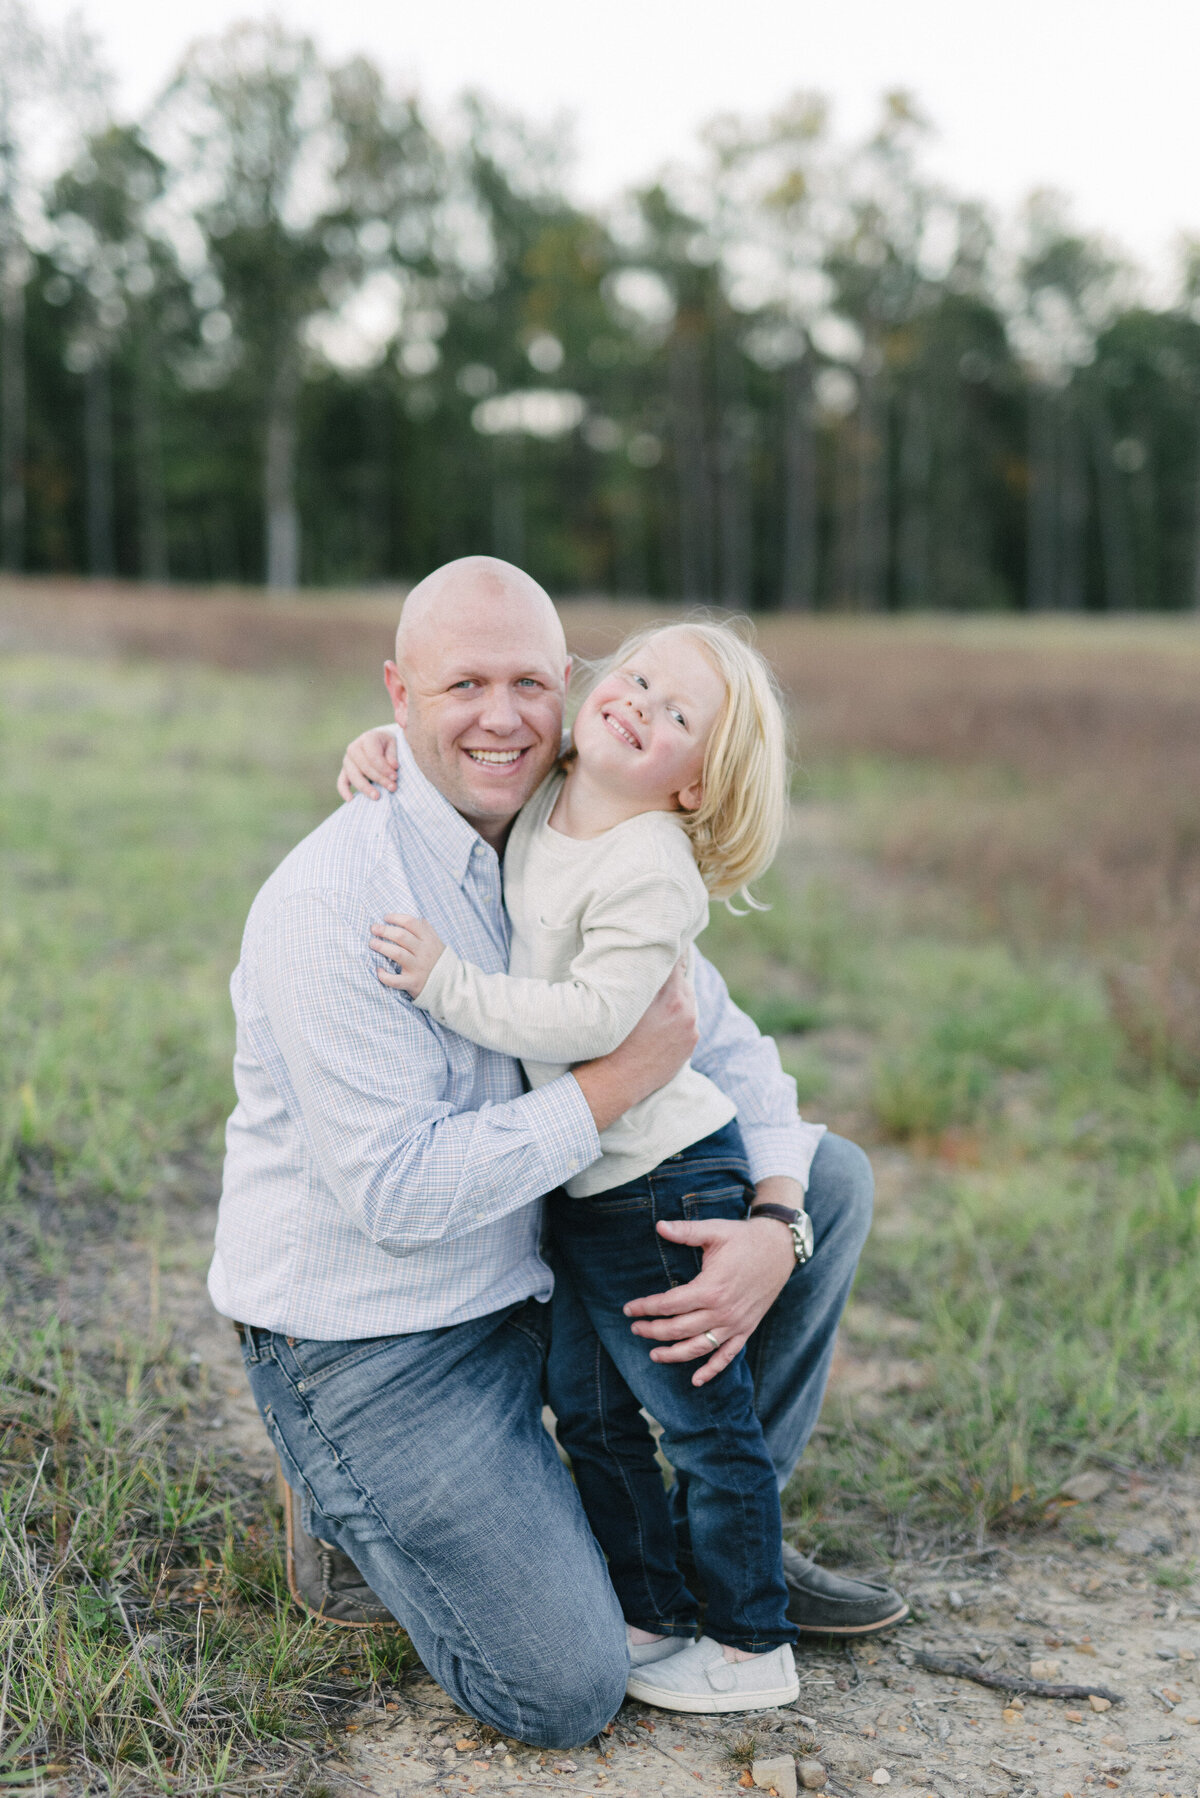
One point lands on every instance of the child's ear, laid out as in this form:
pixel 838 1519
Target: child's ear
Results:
pixel 691 798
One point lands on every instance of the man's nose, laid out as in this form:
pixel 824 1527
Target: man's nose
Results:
pixel 500 713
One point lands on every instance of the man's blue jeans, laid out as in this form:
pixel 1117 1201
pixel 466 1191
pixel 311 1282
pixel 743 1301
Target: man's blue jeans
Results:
pixel 424 1458
pixel 607 1250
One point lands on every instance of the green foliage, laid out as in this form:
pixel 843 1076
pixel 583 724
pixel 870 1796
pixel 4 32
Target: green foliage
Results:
pixel 139 812
pixel 144 1619
pixel 1041 1277
pixel 376 307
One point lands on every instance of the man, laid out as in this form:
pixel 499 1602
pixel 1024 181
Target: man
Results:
pixel 379 1224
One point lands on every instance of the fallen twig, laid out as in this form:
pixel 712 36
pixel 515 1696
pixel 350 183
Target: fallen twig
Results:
pixel 1011 1682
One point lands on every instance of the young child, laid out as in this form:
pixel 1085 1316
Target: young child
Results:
pixel 674 793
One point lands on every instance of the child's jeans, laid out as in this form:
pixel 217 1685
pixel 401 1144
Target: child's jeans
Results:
pixel 606 1251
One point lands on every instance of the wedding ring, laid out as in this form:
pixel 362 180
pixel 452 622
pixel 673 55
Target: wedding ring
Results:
pixel 712 1338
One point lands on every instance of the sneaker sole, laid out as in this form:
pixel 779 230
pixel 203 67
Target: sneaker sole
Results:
pixel 708 1703
pixel 851 1629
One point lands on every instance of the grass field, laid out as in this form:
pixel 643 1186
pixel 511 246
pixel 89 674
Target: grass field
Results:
pixel 964 918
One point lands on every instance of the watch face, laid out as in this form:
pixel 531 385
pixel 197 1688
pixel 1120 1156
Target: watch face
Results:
pixel 803 1231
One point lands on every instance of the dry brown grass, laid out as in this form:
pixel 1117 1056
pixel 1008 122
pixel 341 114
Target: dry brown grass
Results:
pixel 1075 802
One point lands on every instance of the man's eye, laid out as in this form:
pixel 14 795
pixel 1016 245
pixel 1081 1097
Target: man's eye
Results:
pixel 458 685
pixel 529 681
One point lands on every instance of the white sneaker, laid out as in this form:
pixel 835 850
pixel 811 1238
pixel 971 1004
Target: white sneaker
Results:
pixel 701 1679
pixel 644 1654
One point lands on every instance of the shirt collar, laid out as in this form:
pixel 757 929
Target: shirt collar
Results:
pixel 417 801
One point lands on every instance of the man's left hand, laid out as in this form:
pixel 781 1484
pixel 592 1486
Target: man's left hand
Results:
pixel 746 1266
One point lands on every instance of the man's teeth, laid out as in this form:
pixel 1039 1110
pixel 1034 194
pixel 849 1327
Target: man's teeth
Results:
pixel 497 756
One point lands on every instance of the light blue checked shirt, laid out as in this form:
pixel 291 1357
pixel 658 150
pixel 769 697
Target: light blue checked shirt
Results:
pixel 382 1174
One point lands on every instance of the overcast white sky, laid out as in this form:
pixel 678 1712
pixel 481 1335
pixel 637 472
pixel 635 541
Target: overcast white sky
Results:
pixel 1096 97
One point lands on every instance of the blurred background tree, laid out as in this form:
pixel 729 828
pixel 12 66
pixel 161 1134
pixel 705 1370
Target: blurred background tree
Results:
pixel 287 328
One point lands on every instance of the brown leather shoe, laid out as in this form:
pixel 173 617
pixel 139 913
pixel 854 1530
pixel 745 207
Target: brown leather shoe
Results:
pixel 823 1603
pixel 322 1579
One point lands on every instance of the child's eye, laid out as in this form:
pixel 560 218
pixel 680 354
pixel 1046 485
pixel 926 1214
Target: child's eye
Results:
pixel 639 680
pixel 678 716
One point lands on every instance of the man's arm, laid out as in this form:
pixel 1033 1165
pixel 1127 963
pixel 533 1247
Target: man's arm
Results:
pixel 745 1064
pixel 370 1077
pixel 746 1265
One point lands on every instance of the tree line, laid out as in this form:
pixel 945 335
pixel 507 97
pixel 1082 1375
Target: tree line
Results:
pixel 290 327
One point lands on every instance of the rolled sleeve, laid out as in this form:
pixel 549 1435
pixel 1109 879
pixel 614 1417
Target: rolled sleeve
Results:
pixel 745 1064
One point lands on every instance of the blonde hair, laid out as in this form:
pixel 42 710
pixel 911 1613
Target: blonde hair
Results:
pixel 736 828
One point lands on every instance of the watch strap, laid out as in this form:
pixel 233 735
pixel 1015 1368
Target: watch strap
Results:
pixel 784 1213
pixel 798 1222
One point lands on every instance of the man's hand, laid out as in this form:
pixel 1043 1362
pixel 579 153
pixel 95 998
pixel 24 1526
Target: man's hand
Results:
pixel 369 764
pixel 655 1049
pixel 746 1266
pixel 413 945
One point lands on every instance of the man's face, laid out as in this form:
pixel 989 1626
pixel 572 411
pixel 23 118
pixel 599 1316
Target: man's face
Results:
pixel 480 699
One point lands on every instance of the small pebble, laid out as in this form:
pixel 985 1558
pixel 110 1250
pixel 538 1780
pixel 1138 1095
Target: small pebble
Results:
pixel 812 1775
pixel 775 1773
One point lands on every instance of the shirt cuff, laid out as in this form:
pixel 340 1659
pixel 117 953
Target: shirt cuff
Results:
pixel 786 1149
pixel 569 1125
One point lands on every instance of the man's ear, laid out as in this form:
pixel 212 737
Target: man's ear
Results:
pixel 393 680
pixel 691 798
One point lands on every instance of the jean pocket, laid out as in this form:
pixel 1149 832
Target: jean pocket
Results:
pixel 317 1362
pixel 731 1199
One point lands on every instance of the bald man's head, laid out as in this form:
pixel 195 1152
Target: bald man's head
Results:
pixel 479 684
pixel 469 587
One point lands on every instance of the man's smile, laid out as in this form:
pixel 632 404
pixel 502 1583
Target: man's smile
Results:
pixel 496 758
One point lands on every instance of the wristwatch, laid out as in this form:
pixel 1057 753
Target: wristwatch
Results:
pixel 798 1222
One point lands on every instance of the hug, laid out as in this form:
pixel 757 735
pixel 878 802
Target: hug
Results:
pixel 502 1138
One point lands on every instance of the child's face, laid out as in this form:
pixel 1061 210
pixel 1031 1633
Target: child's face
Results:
pixel 643 730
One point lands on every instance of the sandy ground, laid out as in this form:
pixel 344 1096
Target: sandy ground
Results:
pixel 862 1710
pixel 1086 1600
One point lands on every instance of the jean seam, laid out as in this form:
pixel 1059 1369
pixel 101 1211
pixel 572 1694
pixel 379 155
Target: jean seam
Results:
pixel 618 1463
pixel 344 1465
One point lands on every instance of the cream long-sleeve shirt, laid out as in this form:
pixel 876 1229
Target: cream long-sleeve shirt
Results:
pixel 597 925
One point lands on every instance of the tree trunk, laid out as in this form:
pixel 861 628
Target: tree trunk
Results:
pixel 846 471
pixel 13 275
pixel 915 467
pixel 691 472
pixel 798 586
pixel 1116 548
pixel 871 514
pixel 1042 509
pixel 508 501
pixel 98 467
pixel 1195 593
pixel 153 561
pixel 734 507
pixel 1072 512
pixel 282 518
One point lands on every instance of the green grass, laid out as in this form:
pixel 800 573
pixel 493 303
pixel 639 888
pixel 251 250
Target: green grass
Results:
pixel 1040 1266
pixel 146 1637
pixel 140 808
pixel 1049 1255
